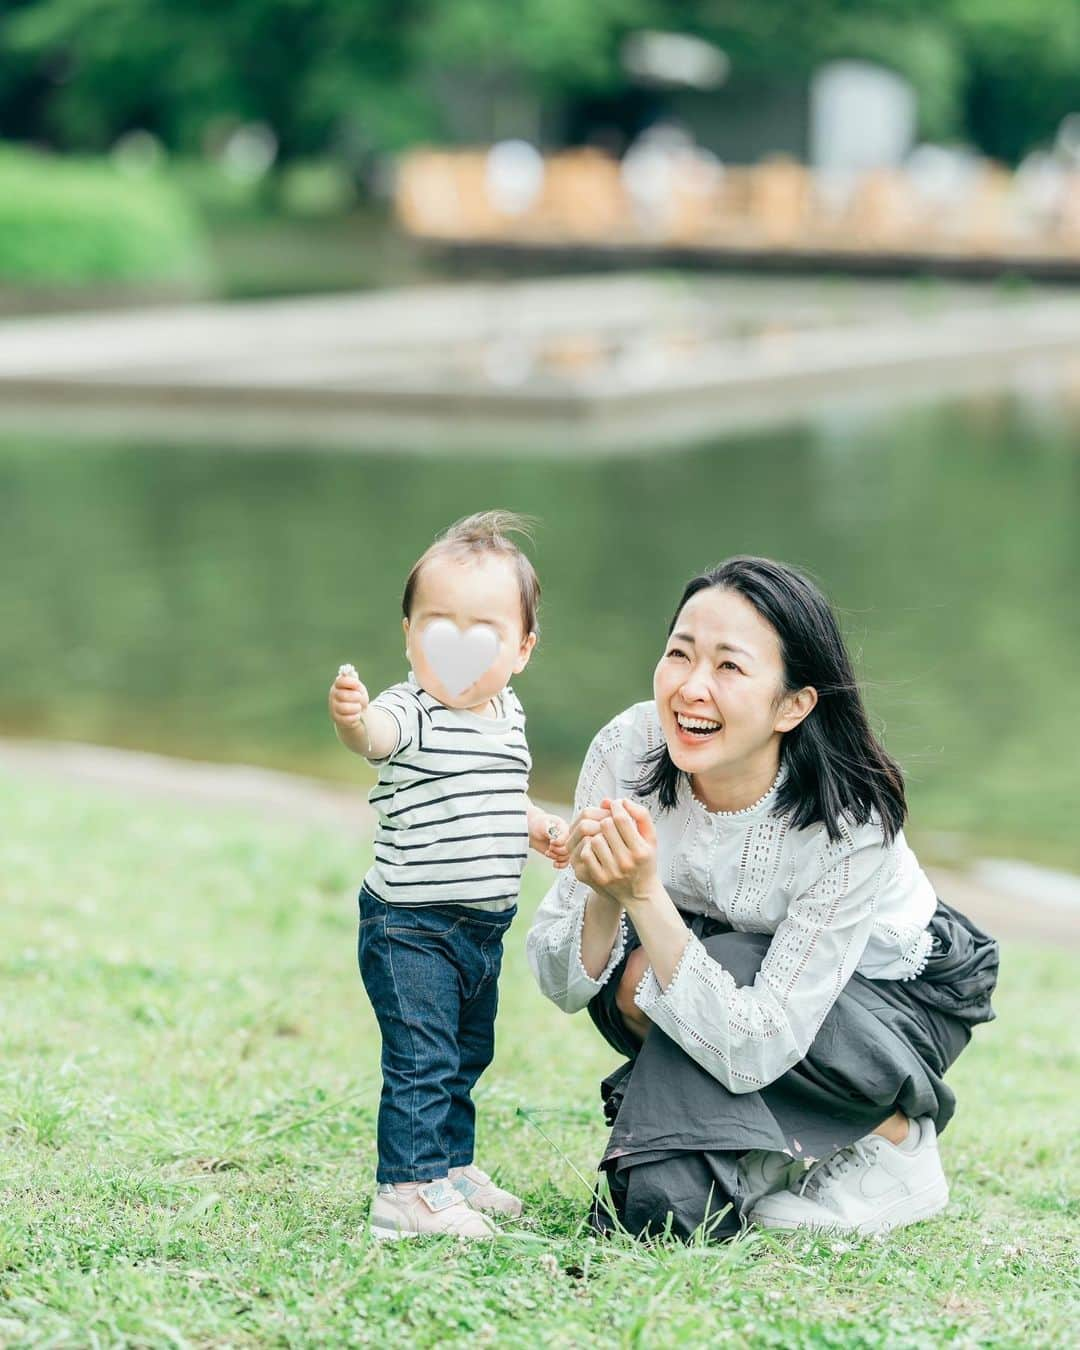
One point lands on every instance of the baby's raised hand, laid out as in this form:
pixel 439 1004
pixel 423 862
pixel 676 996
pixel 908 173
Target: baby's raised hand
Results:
pixel 549 835
pixel 348 698
pixel 557 839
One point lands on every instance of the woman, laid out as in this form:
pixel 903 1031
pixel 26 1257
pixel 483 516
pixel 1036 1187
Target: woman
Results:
pixel 745 921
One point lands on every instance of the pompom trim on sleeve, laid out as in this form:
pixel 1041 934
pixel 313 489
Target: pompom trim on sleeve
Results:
pixel 918 955
pixel 617 951
pixel 649 990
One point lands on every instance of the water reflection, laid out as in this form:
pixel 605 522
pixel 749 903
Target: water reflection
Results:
pixel 199 602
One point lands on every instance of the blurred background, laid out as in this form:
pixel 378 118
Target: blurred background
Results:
pixel 286 288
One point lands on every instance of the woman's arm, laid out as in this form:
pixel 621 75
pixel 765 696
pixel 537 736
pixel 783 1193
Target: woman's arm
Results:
pixel 747 1036
pixel 577 937
pixel 576 940
pixel 614 852
pixel 600 931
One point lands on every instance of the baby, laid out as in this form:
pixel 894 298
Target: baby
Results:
pixel 453 832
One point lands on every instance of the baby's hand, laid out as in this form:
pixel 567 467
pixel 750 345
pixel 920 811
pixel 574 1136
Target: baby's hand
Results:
pixel 550 836
pixel 348 698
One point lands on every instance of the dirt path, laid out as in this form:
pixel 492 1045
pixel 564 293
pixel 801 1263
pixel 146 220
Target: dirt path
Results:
pixel 135 774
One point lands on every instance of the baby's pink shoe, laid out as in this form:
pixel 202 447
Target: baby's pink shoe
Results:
pixel 423 1210
pixel 478 1188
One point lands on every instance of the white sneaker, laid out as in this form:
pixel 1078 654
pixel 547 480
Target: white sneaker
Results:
pixel 868 1187
pixel 763 1172
pixel 482 1193
pixel 425 1210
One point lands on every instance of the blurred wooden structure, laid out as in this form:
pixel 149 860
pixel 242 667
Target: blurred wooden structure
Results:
pixel 584 199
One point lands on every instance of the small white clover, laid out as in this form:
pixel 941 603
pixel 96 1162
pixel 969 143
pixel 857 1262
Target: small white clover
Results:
pixel 549 1264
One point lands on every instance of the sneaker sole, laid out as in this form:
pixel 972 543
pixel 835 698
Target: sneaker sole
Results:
pixel 391 1234
pixel 396 1234
pixel 924 1206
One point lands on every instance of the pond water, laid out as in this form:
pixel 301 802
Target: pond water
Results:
pixel 199 601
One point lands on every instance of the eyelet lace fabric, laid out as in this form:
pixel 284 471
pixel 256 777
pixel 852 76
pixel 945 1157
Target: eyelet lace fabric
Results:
pixel 648 987
pixel 831 907
pixel 918 955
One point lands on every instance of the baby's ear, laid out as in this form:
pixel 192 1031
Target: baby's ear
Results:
pixel 524 653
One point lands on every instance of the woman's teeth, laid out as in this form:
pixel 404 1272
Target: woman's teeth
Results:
pixel 699 726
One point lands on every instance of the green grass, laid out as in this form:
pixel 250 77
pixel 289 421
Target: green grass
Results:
pixel 187 1106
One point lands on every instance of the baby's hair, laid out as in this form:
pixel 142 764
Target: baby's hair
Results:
pixel 487 532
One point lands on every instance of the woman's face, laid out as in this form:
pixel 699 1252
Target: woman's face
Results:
pixel 721 667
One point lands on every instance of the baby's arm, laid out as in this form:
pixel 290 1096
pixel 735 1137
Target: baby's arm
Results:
pixel 548 835
pixel 371 732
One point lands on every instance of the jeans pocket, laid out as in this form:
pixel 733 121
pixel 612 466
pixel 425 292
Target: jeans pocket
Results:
pixel 370 908
pixel 407 920
pixel 488 923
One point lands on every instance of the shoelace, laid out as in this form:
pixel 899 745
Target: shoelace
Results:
pixel 836 1165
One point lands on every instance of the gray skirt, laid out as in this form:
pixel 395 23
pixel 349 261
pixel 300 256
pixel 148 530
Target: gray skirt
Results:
pixel 677 1133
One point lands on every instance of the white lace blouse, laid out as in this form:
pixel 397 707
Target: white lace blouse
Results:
pixel 833 908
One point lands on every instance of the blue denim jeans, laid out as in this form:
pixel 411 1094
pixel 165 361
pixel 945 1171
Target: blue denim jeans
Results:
pixel 431 973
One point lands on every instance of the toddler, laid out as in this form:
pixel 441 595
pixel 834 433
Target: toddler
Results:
pixel 454 827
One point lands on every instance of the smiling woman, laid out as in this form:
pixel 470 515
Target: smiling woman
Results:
pixel 746 922
pixel 720 716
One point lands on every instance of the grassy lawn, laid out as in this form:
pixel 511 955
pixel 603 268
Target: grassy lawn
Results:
pixel 187 1110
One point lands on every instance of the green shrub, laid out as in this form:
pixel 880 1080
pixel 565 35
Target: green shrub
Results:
pixel 214 195
pixel 69 222
pixel 316 187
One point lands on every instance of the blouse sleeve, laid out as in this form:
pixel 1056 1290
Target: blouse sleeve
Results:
pixel 747 1036
pixel 553 944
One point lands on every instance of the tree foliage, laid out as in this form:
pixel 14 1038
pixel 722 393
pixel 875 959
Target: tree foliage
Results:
pixel 355 76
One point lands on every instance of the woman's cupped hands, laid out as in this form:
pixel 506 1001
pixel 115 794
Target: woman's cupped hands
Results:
pixel 613 851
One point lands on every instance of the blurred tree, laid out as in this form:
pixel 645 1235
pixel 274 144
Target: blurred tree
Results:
pixel 354 77
pixel 314 70
pixel 793 37
pixel 1023 70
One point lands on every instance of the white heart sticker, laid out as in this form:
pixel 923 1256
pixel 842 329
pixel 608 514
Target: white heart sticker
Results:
pixel 457 658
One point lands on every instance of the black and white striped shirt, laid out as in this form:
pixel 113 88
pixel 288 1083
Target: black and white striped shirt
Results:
pixel 451 803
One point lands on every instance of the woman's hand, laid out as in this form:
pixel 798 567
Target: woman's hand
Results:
pixel 613 851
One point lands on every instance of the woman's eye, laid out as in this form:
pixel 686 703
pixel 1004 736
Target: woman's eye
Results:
pixel 732 664
pixel 675 652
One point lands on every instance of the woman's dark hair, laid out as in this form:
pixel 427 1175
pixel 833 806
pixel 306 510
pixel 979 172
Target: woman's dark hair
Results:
pixel 833 760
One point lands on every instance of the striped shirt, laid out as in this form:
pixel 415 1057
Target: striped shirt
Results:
pixel 451 803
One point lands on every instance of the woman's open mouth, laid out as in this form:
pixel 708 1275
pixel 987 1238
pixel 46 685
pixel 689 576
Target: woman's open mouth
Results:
pixel 694 730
